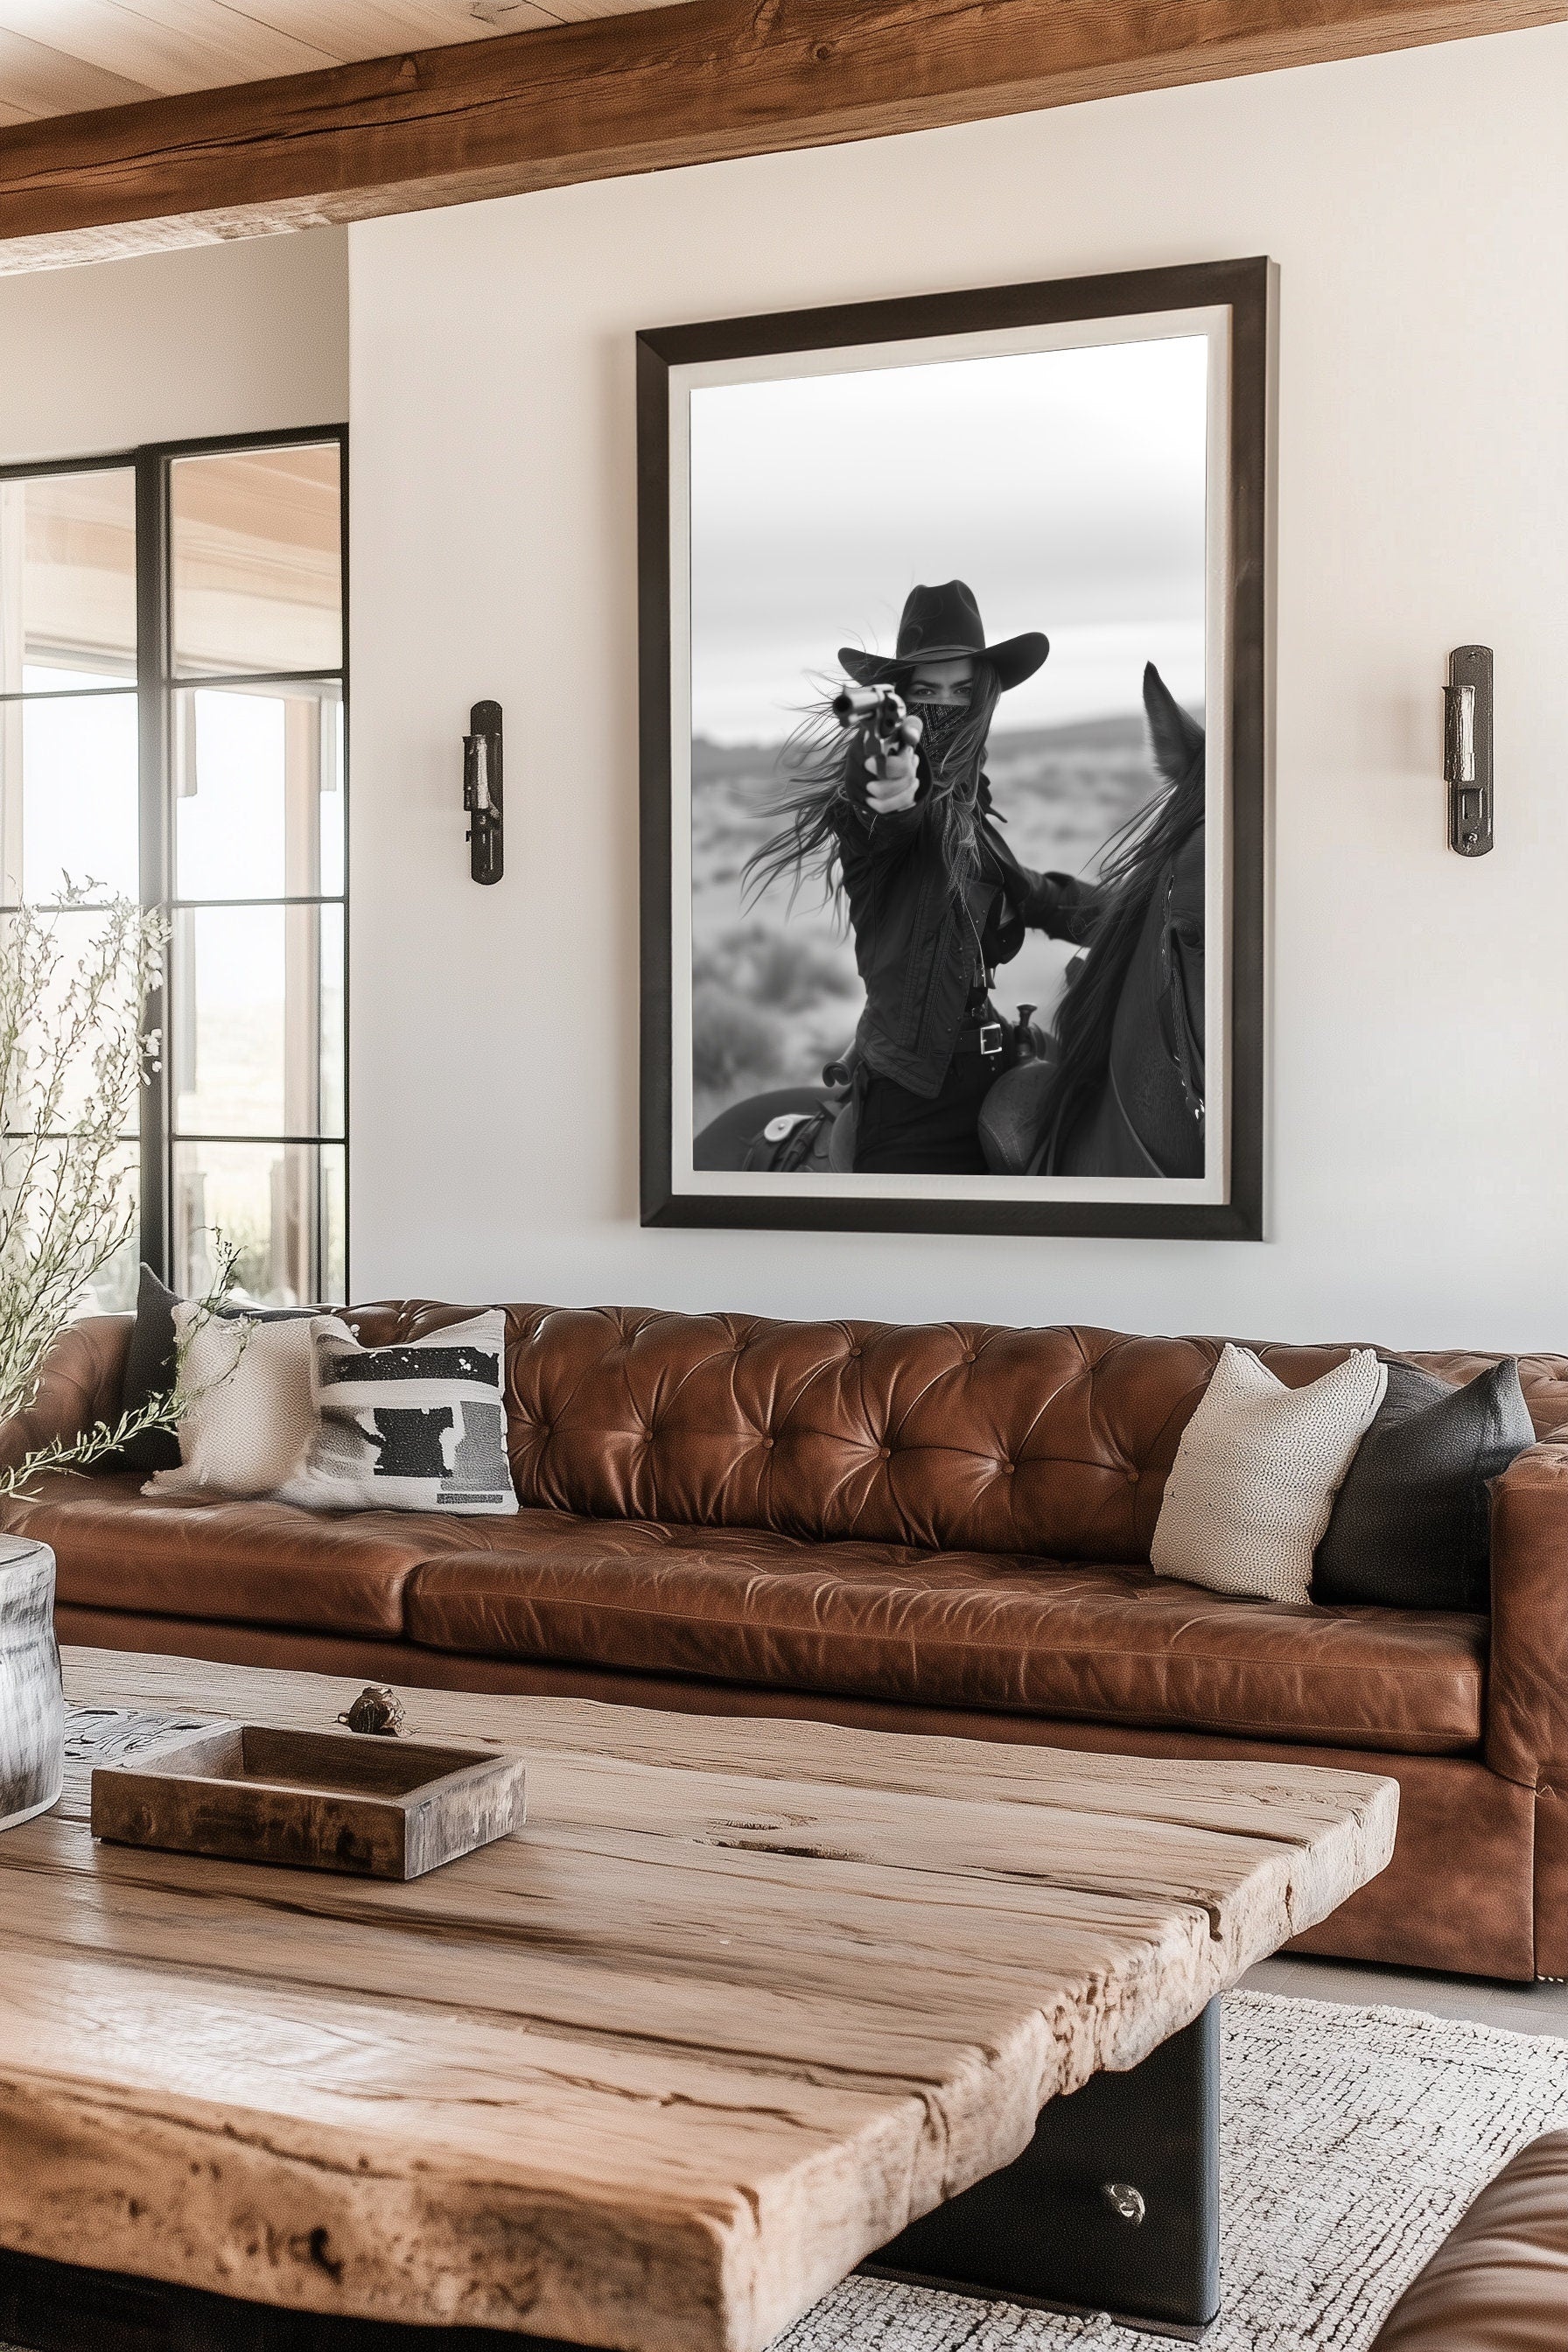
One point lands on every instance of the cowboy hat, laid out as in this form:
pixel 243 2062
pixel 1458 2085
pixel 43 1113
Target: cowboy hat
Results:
pixel 937 624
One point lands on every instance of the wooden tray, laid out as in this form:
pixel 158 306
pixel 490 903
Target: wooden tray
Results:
pixel 343 1801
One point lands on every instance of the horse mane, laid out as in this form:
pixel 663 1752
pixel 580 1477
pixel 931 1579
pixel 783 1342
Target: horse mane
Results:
pixel 1133 861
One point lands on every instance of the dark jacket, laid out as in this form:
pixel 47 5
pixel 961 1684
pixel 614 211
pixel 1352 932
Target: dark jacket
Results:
pixel 915 948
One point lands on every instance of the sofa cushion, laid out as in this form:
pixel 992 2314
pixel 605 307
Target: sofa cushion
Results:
pixel 1104 1642
pixel 251 1563
pixel 1108 1644
pixel 267 1563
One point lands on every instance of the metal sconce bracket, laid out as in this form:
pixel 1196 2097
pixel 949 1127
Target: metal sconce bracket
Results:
pixel 483 791
pixel 1468 750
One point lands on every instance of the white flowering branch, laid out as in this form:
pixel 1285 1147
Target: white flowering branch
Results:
pixel 75 1055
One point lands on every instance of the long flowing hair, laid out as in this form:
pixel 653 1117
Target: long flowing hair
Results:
pixel 1133 862
pixel 818 792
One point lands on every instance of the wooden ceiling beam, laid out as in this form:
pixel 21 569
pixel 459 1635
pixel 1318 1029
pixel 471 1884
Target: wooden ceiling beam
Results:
pixel 666 86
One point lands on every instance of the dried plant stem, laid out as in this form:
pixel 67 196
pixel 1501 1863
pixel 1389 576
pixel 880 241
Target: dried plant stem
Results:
pixel 75 1054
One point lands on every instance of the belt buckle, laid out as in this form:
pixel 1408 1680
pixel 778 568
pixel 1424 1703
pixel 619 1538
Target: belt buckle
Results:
pixel 991 1039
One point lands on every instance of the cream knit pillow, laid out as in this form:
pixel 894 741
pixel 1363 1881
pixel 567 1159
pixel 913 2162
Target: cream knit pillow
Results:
pixel 1255 1475
pixel 251 1419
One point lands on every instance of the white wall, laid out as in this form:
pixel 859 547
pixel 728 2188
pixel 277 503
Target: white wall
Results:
pixel 223 339
pixel 1418 207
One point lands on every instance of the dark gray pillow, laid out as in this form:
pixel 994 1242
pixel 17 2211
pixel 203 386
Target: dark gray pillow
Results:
pixel 152 1366
pixel 1411 1526
pixel 150 1372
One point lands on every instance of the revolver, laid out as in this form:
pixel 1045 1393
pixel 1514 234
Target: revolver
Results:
pixel 882 713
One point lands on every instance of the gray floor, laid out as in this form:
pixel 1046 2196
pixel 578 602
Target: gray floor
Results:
pixel 1518 2007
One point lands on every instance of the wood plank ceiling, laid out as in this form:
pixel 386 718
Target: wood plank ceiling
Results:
pixel 513 95
pixel 62 57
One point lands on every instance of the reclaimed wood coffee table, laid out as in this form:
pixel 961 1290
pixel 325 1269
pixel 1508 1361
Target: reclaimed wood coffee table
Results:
pixel 746 2004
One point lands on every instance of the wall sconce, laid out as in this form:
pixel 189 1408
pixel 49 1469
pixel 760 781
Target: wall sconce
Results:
pixel 483 791
pixel 1468 750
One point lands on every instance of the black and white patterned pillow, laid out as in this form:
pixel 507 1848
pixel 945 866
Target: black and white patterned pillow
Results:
pixel 419 1426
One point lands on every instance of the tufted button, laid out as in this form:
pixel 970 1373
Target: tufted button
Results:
pixel 882 1452
pixel 968 1356
pixel 1133 1477
pixel 1008 1468
pixel 767 1443
pixel 856 1354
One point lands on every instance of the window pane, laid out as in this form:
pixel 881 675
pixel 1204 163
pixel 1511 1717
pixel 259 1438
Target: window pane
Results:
pixel 257 561
pixel 334 812
pixel 112 1287
pixel 61 1073
pixel 69 796
pixel 68 580
pixel 258 786
pixel 257 1021
pixel 282 1204
pixel 112 1290
pixel 335 1025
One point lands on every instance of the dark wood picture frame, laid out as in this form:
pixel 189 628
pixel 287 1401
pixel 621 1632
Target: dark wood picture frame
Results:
pixel 1249 289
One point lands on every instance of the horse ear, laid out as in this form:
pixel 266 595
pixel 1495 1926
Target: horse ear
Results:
pixel 1177 738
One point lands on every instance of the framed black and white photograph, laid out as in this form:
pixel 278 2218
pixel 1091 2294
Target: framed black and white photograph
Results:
pixel 955 624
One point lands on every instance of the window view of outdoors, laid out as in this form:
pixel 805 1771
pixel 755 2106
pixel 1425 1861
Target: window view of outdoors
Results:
pixel 252 1146
pixel 256 1008
pixel 69 774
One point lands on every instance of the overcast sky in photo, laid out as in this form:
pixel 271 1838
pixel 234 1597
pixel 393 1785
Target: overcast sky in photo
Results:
pixel 1067 488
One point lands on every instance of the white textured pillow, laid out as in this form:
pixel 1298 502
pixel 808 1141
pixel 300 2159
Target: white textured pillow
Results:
pixel 1255 1475
pixel 248 1427
pixel 416 1426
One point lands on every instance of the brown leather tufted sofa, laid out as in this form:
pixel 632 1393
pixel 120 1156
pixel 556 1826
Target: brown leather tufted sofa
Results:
pixel 1498 2283
pixel 943 1529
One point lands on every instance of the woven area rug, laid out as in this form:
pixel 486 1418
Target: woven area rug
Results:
pixel 1352 2141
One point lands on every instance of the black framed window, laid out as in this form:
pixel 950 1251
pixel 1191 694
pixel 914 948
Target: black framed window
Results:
pixel 173 725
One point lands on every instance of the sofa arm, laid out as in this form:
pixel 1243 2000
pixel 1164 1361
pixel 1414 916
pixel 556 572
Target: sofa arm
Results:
pixel 1499 2279
pixel 1527 1687
pixel 79 1384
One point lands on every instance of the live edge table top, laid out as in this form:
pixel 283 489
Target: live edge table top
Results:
pixel 741 2001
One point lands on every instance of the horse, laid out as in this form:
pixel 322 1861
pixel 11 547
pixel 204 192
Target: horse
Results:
pixel 1118 1089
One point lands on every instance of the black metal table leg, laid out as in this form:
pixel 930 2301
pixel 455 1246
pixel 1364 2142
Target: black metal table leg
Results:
pixel 1113 2206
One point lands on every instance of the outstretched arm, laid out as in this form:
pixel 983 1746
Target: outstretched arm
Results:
pixel 1061 905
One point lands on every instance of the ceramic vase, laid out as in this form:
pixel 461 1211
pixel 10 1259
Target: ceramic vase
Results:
pixel 32 1702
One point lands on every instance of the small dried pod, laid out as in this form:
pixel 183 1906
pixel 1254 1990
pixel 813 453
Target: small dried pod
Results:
pixel 377 1708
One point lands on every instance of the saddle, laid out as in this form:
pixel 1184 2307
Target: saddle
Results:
pixel 1013 1115
pixel 813 1142
pixel 1012 1118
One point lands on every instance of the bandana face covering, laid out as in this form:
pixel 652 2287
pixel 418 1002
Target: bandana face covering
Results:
pixel 942 724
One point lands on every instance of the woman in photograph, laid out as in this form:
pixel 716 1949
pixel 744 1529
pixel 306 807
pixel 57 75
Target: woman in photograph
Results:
pixel 904 835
